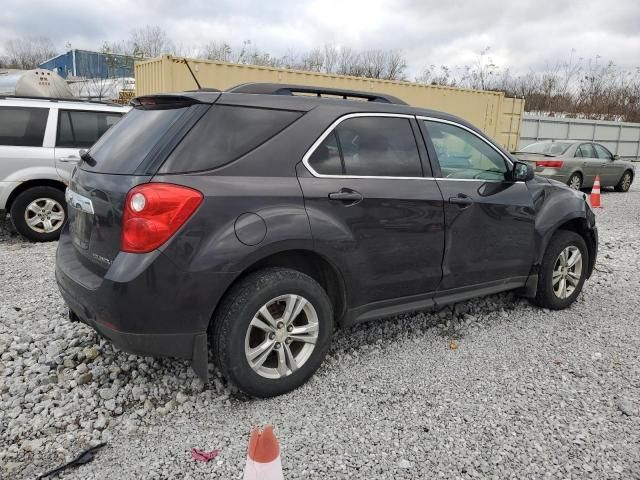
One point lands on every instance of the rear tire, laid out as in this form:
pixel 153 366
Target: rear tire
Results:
pixel 550 293
pixel 625 182
pixel 240 330
pixel 575 181
pixel 39 213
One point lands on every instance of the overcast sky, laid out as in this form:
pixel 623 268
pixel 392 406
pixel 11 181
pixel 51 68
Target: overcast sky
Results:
pixel 522 34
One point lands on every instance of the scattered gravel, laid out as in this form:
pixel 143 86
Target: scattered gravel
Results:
pixel 495 388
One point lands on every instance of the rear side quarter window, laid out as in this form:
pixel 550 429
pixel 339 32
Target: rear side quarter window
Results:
pixel 23 126
pixel 224 134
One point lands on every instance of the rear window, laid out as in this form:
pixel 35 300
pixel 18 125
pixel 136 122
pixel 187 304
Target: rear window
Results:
pixel 224 134
pixel 22 127
pixel 82 129
pixel 125 145
pixel 551 148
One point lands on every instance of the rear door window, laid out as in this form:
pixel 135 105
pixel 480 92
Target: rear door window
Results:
pixel 224 134
pixel 586 151
pixel 325 159
pixel 82 129
pixel 23 126
pixel 369 147
pixel 124 146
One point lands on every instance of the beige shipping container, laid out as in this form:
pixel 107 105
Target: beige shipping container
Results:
pixel 497 116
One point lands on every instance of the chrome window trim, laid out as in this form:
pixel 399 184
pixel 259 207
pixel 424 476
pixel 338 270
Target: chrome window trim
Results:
pixel 481 137
pixel 331 128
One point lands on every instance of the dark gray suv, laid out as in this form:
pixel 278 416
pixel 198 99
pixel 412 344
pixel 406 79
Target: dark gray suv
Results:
pixel 255 221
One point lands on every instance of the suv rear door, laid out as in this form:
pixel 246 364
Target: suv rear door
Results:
pixel 79 130
pixel 489 219
pixel 371 209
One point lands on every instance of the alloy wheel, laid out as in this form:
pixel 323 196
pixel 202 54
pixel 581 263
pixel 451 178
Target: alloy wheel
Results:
pixel 281 336
pixel 626 182
pixel 44 215
pixel 575 182
pixel 567 272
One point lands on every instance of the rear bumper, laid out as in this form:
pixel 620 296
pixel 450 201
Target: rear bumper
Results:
pixel 144 304
pixel 144 344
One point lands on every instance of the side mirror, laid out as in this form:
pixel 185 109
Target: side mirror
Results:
pixel 616 157
pixel 522 172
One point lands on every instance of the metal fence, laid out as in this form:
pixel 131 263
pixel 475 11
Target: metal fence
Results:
pixel 621 138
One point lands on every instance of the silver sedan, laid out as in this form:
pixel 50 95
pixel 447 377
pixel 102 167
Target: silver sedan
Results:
pixel 577 163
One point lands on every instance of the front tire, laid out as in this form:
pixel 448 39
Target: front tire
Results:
pixel 272 331
pixel 563 271
pixel 625 182
pixel 38 213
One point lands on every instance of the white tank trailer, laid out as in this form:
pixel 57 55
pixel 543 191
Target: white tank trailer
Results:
pixel 33 83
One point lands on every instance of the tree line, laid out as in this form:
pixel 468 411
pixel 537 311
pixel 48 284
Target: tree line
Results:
pixel 576 87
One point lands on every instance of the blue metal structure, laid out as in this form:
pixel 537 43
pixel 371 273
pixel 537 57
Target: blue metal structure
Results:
pixel 87 64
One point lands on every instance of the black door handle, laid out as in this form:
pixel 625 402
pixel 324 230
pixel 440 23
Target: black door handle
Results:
pixel 347 196
pixel 462 200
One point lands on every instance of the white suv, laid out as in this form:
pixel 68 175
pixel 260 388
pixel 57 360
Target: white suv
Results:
pixel 40 144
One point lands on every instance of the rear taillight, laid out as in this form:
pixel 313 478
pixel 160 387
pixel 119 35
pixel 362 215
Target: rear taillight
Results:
pixel 154 212
pixel 549 163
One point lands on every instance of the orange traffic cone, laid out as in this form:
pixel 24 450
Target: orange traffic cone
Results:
pixel 263 456
pixel 595 194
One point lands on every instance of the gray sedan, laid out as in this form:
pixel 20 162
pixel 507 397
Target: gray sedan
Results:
pixel 577 163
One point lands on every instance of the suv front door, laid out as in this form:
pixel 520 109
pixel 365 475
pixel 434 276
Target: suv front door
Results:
pixel 489 219
pixel 78 130
pixel 371 209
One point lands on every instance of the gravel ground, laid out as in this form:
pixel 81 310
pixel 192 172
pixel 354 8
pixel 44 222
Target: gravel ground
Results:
pixel 494 389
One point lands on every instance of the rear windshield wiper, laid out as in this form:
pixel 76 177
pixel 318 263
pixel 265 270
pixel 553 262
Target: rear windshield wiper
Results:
pixel 86 157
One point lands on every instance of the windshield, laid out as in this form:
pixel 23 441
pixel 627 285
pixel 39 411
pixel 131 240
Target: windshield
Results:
pixel 552 148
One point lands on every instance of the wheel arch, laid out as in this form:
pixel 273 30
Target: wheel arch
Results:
pixel 579 225
pixel 24 186
pixel 309 262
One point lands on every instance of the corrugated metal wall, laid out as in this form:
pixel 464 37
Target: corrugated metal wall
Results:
pixel 87 64
pixel 619 137
pixel 496 115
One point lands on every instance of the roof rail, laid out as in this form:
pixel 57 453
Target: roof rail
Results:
pixel 59 99
pixel 284 89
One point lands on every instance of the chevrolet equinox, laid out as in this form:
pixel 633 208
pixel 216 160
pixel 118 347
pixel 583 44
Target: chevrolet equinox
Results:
pixel 253 221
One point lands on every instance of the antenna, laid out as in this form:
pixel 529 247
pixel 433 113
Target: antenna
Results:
pixel 192 74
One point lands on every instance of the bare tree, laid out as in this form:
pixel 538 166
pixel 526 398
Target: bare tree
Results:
pixel 574 87
pixel 150 41
pixel 219 51
pixel 441 75
pixel 28 53
pixel 146 42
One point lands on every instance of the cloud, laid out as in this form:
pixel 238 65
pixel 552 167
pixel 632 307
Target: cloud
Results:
pixel 523 35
